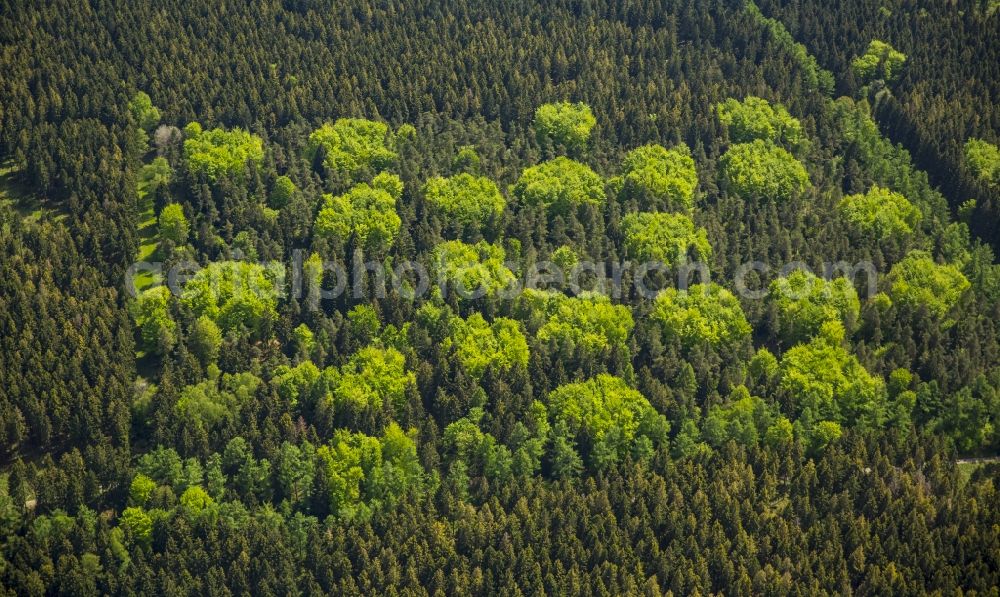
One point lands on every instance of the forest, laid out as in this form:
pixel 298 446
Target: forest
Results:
pixel 657 297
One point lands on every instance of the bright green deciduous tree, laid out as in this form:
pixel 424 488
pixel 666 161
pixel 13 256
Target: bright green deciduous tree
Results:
pixel 217 398
pixel 881 212
pixel 660 178
pixel 205 339
pixel 823 434
pixel 804 302
pixel 984 160
pixel 826 382
pixel 565 258
pixel 373 377
pixel 589 322
pixel 300 381
pixel 479 344
pixel 880 61
pixel 140 489
pixel 565 124
pixel 665 237
pixel 472 270
pixel 703 314
pixel 173 225
pixel 219 152
pixel 151 313
pixel 480 452
pixel 367 212
pixel 607 418
pixel 560 185
pixel 234 294
pixel 747 420
pixel 466 160
pixel 138 524
pixel 755 118
pixel 362 474
pixel 145 113
pixel 760 169
pixel 304 338
pixel 195 500
pixel 353 147
pixel 465 199
pixel 282 192
pixel 917 280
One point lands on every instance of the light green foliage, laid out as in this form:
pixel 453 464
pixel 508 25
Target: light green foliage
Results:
pixel 780 433
pixel 881 212
pixel 880 61
pixel 566 258
pixel 760 169
pixel 608 418
pixel 588 322
pixel 917 280
pixel 529 439
pixel 219 152
pixel 480 452
pixel 747 420
pixel 665 237
pixel 660 178
pixel 372 377
pixel 151 312
pixel 234 294
pixel 282 192
pixel 824 434
pixel 560 185
pixel 141 488
pixel 195 500
pixel 293 383
pixel 805 302
pixel 756 118
pixel 364 473
pixel 173 225
pixel 165 467
pixel 565 123
pixel 763 365
pixel 364 322
pixel 465 199
pixel 353 146
pixel 703 314
pixel 154 175
pixel 406 133
pixel 971 415
pixel 472 270
pixel 217 398
pixel 467 160
pixel 192 130
pixel 138 524
pixel 205 339
pixel 304 338
pixel 479 344
pixel 312 280
pixel 390 183
pixel 367 212
pixel 983 159
pixel 826 382
pixel 145 113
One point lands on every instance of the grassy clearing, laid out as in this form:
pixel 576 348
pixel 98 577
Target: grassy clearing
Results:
pixel 147 239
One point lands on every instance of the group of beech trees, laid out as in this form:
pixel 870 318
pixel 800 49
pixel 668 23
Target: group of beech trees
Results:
pixel 239 436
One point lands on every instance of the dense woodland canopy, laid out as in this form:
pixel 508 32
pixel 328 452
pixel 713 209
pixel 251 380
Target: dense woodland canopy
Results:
pixel 798 435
